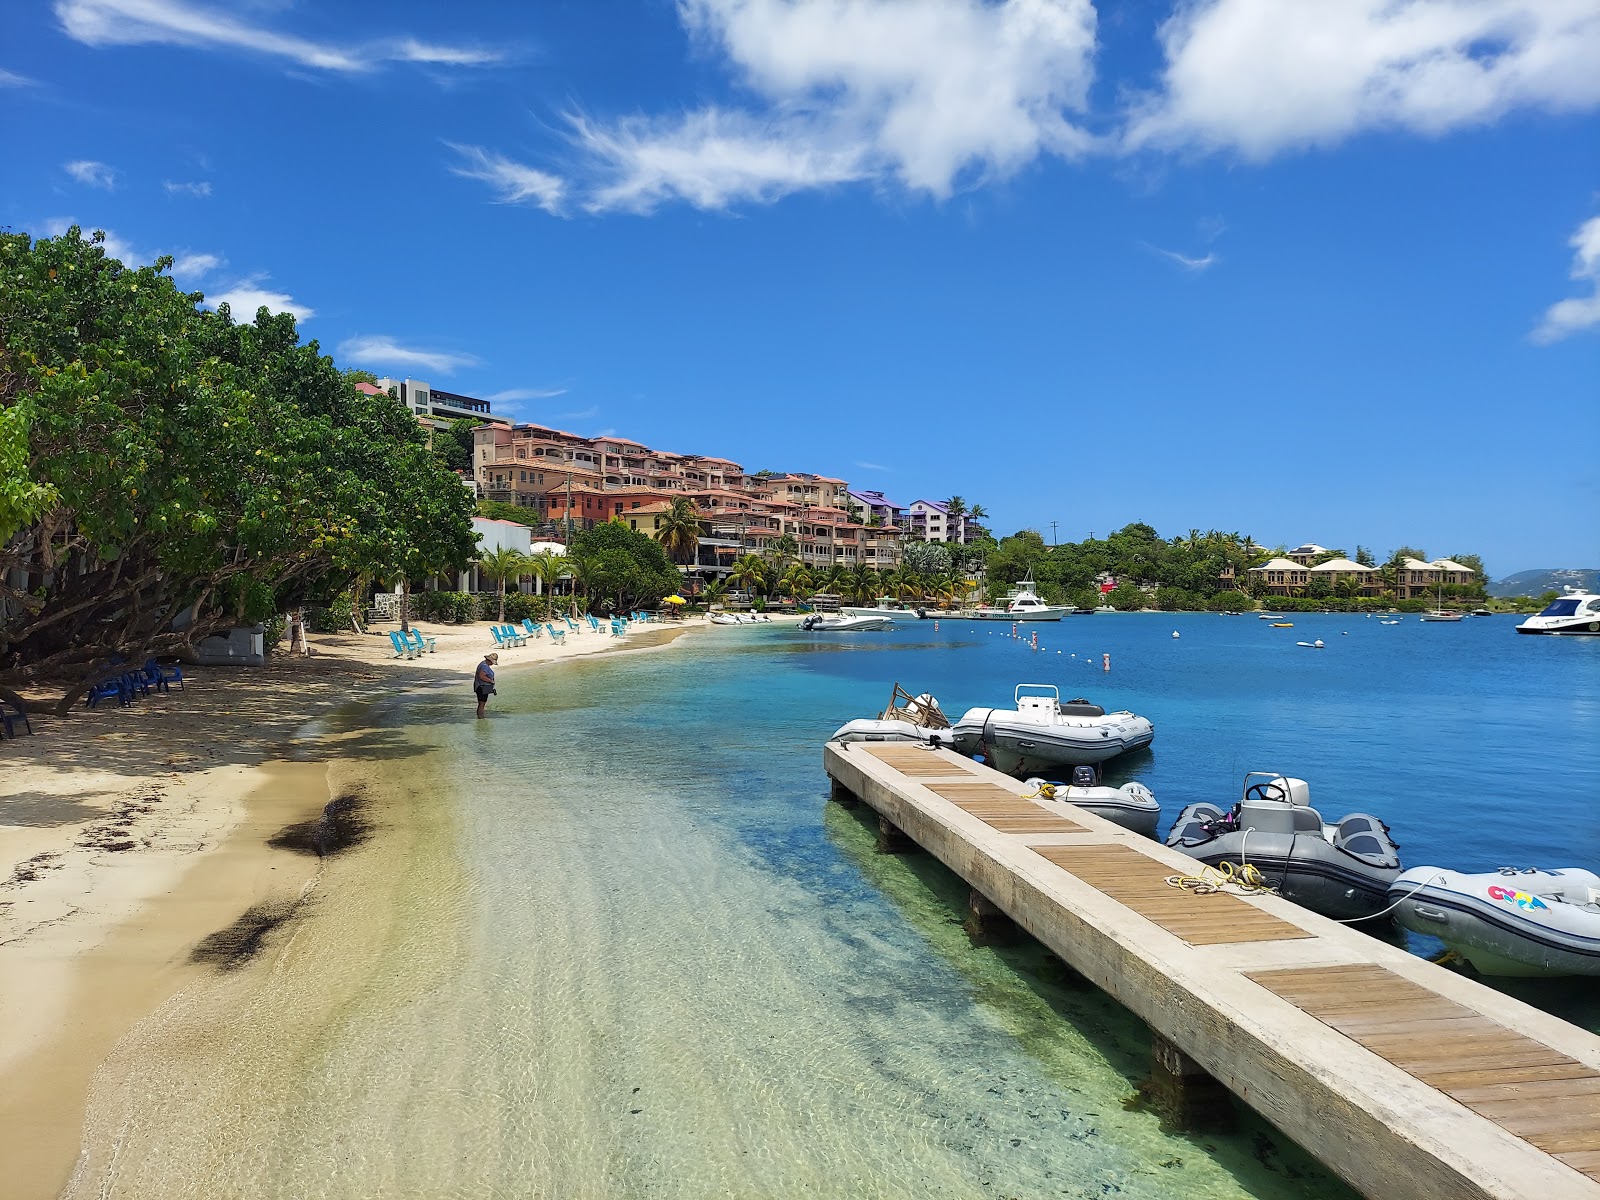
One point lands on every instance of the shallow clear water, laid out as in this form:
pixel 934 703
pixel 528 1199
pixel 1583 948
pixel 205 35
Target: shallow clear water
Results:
pixel 628 949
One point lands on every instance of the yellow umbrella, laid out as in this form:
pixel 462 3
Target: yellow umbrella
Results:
pixel 674 600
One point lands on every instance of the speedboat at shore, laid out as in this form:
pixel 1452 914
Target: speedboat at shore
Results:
pixel 1022 604
pixel 1132 805
pixel 1342 870
pixel 1577 614
pixel 816 623
pixel 1041 733
pixel 887 606
pixel 1507 922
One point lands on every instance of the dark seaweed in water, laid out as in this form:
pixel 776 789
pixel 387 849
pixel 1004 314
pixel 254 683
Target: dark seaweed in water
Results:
pixel 340 826
pixel 229 949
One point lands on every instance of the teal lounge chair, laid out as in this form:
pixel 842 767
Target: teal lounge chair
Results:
pixel 402 648
pixel 533 630
pixel 556 635
pixel 571 624
pixel 593 624
pixel 422 645
pixel 514 635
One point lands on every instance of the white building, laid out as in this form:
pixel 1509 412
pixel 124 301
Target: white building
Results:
pixel 430 404
pixel 932 522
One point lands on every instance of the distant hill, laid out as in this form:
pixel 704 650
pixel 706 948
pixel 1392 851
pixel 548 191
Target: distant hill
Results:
pixel 1535 583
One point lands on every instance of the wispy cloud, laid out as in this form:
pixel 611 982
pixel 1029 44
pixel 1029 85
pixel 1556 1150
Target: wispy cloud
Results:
pixel 515 182
pixel 248 295
pixel 1259 77
pixel 381 350
pixel 211 27
pixel 1184 260
pixel 867 466
pixel 10 79
pixel 92 174
pixel 193 266
pixel 585 414
pixel 1578 313
pixel 200 190
pixel 514 395
pixel 928 96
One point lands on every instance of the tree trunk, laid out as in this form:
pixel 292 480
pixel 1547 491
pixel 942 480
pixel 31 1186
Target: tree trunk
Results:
pixel 356 589
pixel 502 615
pixel 405 606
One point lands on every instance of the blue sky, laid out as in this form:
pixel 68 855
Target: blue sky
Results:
pixel 1305 270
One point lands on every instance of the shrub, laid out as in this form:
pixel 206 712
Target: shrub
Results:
pixel 519 606
pixel 335 618
pixel 455 607
pixel 1230 602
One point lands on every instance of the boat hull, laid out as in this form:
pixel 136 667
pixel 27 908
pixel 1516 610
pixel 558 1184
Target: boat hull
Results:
pixel 1018 746
pixel 1497 922
pixel 1131 806
pixel 1573 628
pixel 1002 615
pixel 877 730
pixel 892 614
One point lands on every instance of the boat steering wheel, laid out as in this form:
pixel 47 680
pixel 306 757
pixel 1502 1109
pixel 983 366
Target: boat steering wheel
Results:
pixel 1258 791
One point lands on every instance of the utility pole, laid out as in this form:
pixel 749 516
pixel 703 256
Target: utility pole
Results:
pixel 1052 533
pixel 569 509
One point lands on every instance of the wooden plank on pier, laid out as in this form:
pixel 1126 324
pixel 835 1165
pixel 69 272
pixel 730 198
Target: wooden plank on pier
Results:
pixel 1472 1059
pixel 1140 882
pixel 1004 810
pixel 914 761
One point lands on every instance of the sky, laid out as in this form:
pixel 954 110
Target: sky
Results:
pixel 1309 271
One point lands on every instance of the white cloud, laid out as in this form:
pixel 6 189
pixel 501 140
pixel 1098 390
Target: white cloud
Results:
pixel 209 27
pixel 585 414
pixel 200 190
pixel 192 265
pixel 514 181
pixel 381 350
pixel 515 395
pixel 10 79
pixel 868 466
pixel 925 94
pixel 1184 260
pixel 91 173
pixel 1578 312
pixel 247 295
pixel 1262 76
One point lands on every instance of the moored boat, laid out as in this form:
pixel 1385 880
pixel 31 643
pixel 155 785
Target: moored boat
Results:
pixel 1132 805
pixel 1575 614
pixel 886 606
pixel 1022 604
pixel 1341 870
pixel 1507 922
pixel 1041 733
pixel 908 718
pixel 815 623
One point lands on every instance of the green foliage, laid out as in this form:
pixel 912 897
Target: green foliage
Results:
pixel 453 444
pixel 1229 601
pixel 357 375
pixel 457 608
pixel 1127 598
pixel 679 532
pixel 1198 563
pixel 520 606
pixel 927 558
pixel 622 569
pixel 499 510
pixel 332 618
pixel 194 465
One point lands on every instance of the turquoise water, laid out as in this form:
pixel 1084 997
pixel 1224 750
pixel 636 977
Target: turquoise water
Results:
pixel 632 950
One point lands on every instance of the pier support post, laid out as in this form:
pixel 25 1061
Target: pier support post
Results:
pixel 986 925
pixel 892 839
pixel 841 795
pixel 1181 1092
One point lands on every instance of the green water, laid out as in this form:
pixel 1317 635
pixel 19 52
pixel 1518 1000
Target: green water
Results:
pixel 615 943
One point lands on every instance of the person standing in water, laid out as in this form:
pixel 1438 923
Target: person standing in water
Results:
pixel 483 682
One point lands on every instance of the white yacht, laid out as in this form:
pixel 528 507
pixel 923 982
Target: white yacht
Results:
pixel 1576 613
pixel 886 606
pixel 1022 604
pixel 847 623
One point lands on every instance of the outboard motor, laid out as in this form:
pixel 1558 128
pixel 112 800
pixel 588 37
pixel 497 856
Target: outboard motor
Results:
pixel 1083 776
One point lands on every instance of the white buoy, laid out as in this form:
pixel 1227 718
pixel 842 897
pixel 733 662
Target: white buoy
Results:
pixel 1174 633
pixel 1317 643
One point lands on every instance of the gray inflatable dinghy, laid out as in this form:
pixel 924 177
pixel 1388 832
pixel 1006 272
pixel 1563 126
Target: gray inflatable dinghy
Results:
pixel 1342 870
pixel 1507 922
pixel 1132 805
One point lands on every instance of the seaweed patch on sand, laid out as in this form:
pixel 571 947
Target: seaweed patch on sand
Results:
pixel 231 948
pixel 343 824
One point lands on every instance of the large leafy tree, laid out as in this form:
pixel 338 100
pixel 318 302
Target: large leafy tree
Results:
pixel 621 566
pixel 183 472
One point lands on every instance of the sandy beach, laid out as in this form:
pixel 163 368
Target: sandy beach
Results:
pixel 142 849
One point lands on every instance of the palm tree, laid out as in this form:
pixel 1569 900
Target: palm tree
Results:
pixel 749 573
pixel 500 565
pixel 861 583
pixel 796 582
pixel 679 531
pixel 829 579
pixel 547 567
pixel 714 591
pixel 955 507
pixel 783 549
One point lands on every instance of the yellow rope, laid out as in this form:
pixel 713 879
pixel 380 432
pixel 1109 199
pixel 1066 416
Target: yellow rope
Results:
pixel 1046 790
pixel 1209 880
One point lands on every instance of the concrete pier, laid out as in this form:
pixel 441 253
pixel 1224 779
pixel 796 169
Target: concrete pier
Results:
pixel 1409 1081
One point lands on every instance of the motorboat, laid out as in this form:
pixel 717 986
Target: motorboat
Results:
pixel 1575 614
pixel 1316 645
pixel 1440 615
pixel 913 719
pixel 1132 805
pixel 817 623
pixel 1341 870
pixel 1394 622
pixel 1283 625
pixel 1022 603
pixel 887 606
pixel 1042 734
pixel 1507 922
pixel 1482 612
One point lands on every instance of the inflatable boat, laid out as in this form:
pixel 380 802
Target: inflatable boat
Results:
pixel 1041 734
pixel 917 720
pixel 1507 922
pixel 1132 805
pixel 1342 870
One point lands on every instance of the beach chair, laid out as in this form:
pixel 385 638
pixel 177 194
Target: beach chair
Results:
pixel 556 635
pixel 8 720
pixel 571 624
pixel 402 648
pixel 619 627
pixel 533 631
pixel 422 645
pixel 162 678
pixel 512 636
pixel 108 689
pixel 594 625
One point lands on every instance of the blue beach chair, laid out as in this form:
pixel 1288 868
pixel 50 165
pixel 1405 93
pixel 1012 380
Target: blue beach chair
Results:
pixel 161 678
pixel 594 625
pixel 556 635
pixel 533 631
pixel 8 720
pixel 422 645
pixel 571 624
pixel 402 648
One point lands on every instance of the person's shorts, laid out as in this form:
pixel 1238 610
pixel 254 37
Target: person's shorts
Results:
pixel 483 693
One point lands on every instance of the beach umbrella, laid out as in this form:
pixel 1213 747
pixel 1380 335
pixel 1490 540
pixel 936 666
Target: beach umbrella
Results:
pixel 674 600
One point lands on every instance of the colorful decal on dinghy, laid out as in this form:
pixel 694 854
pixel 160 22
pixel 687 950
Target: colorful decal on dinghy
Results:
pixel 1512 896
